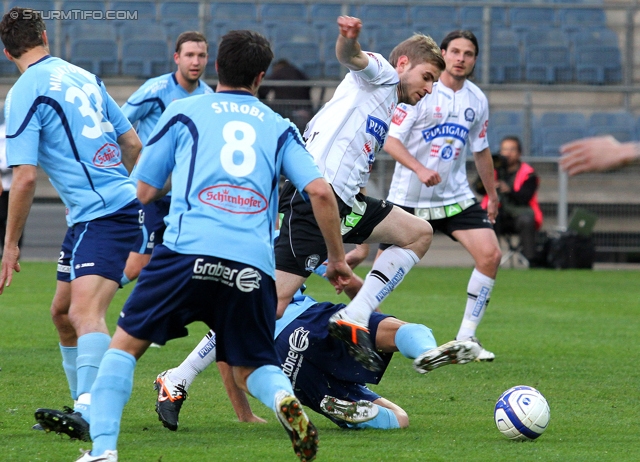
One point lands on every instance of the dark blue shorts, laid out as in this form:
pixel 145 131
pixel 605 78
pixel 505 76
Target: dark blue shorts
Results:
pixel 153 229
pixel 236 300
pixel 318 364
pixel 101 246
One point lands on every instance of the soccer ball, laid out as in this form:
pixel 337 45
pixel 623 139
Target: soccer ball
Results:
pixel 522 413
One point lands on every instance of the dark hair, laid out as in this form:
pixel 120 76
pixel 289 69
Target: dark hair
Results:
pixel 419 49
pixel 21 30
pixel 242 56
pixel 190 36
pixel 513 138
pixel 456 34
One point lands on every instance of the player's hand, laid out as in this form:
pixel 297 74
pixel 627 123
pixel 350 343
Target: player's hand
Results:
pixel 10 264
pixel 339 275
pixel 429 177
pixel 492 210
pixel 349 27
pixel 591 155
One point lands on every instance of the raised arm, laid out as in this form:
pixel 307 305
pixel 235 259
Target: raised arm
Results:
pixel 348 49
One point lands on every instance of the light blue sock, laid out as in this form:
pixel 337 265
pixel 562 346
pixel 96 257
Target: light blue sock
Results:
pixel 91 349
pixel 109 394
pixel 414 339
pixel 69 355
pixel 265 382
pixel 124 280
pixel 385 420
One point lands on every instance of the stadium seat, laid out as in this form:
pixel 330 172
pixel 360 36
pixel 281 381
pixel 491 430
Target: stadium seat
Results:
pixel 506 37
pixel 525 18
pixel 144 9
pixel 73 31
pixel 240 25
pixel 505 64
pixel 233 11
pixel 472 15
pixel 174 10
pixel 554 137
pixel 177 27
pixel 40 5
pixel 84 5
pixel 598 65
pixel 548 64
pixel 295 32
pixel 580 18
pixel 145 58
pixel 621 125
pixel 143 28
pixel 562 119
pixel 385 40
pixel 210 70
pixel 332 67
pixel 438 16
pixel 544 36
pixel 98 56
pixel 595 37
pixel 384 15
pixel 305 56
pixel 277 13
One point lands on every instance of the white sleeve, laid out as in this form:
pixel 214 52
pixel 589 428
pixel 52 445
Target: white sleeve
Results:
pixel 402 121
pixel 378 71
pixel 478 132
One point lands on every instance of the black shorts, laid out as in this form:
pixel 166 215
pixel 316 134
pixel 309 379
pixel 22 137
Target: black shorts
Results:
pixel 475 217
pixel 301 247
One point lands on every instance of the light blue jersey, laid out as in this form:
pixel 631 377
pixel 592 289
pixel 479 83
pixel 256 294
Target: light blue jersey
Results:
pixel 61 117
pixel 225 153
pixel 149 101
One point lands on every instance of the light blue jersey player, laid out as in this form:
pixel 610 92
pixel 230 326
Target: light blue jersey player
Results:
pixel 225 153
pixel 61 117
pixel 145 107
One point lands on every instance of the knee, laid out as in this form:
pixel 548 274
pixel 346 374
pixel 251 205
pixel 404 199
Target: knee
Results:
pixel 423 235
pixel 403 418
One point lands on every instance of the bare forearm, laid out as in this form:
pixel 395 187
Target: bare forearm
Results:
pixel 401 154
pixel 20 200
pixel 484 165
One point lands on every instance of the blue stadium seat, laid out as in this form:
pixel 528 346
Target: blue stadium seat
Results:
pixel 554 137
pixel 600 36
pixel 294 32
pixel 183 10
pixel 234 11
pixel 282 12
pixel 210 70
pixel 40 5
pixel 437 31
pixel 144 9
pixel 548 64
pixel 73 31
pixel 544 36
pixel 525 18
pixel 505 64
pixel 581 18
pixel 145 58
pixel 177 27
pixel 620 125
pixel 385 40
pixel 384 15
pixel 598 65
pixel 500 118
pixel 305 56
pixel 506 37
pixel 473 15
pixel 240 25
pixel 332 67
pixel 562 119
pixel 424 15
pixel 84 5
pixel 98 56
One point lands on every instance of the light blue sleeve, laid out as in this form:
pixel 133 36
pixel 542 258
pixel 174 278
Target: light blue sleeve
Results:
pixel 134 109
pixel 115 115
pixel 23 126
pixel 158 156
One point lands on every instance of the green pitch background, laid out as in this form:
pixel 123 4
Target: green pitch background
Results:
pixel 574 335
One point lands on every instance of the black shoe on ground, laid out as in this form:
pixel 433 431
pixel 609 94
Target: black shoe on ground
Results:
pixel 66 421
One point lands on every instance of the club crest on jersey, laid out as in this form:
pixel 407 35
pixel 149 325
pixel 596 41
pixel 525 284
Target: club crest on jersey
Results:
pixel 378 129
pixel 446 131
pixel 469 114
pixel 248 279
pixel 233 199
pixel 108 156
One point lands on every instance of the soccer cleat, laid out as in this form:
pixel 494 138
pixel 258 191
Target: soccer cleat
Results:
pixel 303 434
pixel 485 355
pixel 170 398
pixel 37 427
pixel 349 411
pixel 356 336
pixel 454 352
pixel 66 421
pixel 106 456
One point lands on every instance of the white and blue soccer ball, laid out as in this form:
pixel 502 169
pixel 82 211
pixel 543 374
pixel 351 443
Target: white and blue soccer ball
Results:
pixel 522 413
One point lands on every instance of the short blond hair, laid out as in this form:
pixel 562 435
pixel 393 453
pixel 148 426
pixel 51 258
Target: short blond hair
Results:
pixel 419 49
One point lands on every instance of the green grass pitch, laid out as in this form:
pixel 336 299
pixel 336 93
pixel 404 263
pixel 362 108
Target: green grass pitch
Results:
pixel 571 334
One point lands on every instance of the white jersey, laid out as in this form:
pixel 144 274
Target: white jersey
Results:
pixel 438 131
pixel 351 128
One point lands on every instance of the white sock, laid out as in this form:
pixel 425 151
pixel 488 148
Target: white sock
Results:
pixel 478 295
pixel 198 360
pixel 388 271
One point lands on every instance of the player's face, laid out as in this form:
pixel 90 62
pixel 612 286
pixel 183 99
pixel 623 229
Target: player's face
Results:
pixel 509 150
pixel 460 58
pixel 415 81
pixel 191 60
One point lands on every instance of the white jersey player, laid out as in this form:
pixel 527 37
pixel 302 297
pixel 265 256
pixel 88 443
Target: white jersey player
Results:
pixel 429 143
pixel 344 138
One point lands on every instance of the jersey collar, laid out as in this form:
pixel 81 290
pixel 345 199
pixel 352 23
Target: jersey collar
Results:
pixel 39 61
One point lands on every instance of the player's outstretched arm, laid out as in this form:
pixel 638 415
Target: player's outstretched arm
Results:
pixel 597 154
pixel 130 146
pixel 22 191
pixel 348 49
pixel 325 211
